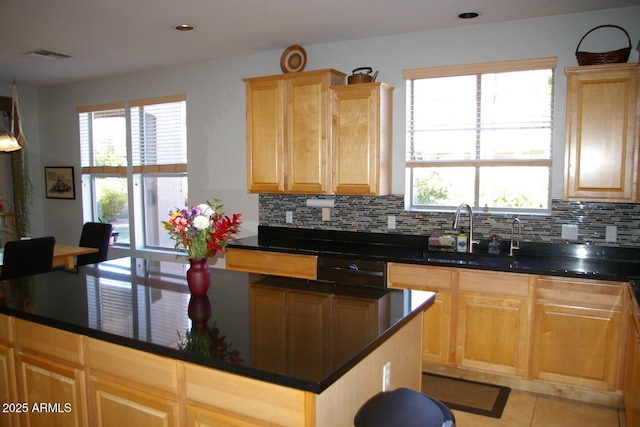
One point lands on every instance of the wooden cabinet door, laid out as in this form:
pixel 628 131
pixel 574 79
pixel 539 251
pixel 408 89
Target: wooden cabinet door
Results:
pixel 289 132
pixel 602 132
pixel 576 345
pixel 58 391
pixel 119 405
pixel 491 333
pixel 577 332
pixel 265 135
pixel 8 393
pixel 439 325
pixel 493 327
pixel 308 133
pixel 362 139
pixel 436 331
pixel 200 417
pixel 631 380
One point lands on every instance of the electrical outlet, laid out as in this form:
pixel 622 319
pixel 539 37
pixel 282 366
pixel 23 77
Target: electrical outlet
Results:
pixel 391 222
pixel 570 231
pixel 289 217
pixel 326 214
pixel 386 376
pixel 612 233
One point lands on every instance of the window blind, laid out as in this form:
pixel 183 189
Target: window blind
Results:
pixel 159 135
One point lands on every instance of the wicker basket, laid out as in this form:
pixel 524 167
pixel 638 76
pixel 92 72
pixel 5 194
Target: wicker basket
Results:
pixel 612 57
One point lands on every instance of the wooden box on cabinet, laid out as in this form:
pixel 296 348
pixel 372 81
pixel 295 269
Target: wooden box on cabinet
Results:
pixel 362 139
pixel 289 131
pixel 602 133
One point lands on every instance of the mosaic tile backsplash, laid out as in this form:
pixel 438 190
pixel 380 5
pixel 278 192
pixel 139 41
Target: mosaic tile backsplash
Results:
pixel 370 213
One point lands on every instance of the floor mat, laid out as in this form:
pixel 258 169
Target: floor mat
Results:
pixel 468 396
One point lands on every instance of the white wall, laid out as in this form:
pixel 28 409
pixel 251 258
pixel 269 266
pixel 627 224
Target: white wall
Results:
pixel 215 98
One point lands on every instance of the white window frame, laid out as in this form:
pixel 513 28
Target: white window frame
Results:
pixel 466 70
pixel 134 174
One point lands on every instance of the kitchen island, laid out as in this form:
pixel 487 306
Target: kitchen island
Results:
pixel 123 340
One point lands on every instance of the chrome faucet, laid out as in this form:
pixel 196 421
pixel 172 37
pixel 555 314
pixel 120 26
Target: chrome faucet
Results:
pixel 515 244
pixel 456 220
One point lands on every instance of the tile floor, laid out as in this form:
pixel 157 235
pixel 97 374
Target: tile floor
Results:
pixel 533 410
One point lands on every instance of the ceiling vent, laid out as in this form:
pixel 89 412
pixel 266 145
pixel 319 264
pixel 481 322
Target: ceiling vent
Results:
pixel 48 54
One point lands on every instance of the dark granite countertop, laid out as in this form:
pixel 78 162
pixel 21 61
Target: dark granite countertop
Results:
pixel 145 304
pixel 567 260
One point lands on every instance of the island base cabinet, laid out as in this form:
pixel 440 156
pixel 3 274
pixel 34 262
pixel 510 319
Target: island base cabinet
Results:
pixel 8 393
pixel 201 417
pixel 55 393
pixel 220 395
pixel 116 405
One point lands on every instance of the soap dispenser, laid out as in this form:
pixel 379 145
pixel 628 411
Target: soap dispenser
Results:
pixel 494 245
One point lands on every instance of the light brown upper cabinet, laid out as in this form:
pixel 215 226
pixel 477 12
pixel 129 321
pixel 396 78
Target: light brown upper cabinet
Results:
pixel 362 139
pixel 289 132
pixel 602 133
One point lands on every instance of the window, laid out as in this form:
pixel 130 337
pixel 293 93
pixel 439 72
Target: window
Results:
pixel 134 166
pixel 480 134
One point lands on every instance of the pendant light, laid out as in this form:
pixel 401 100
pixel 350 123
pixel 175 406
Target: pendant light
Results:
pixel 8 142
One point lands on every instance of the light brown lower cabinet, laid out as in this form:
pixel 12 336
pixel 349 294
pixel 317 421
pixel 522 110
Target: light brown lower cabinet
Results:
pixel 439 324
pixel 548 334
pixel 81 381
pixel 122 403
pixel 8 393
pixel 131 387
pixel 631 384
pixel 577 332
pixel 493 321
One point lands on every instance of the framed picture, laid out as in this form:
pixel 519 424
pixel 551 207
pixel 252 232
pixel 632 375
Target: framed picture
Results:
pixel 59 183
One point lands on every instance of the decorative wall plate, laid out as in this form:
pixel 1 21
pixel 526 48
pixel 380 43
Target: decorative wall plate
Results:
pixel 293 59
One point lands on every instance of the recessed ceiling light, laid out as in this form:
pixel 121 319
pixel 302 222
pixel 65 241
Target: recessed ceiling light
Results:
pixel 468 15
pixel 184 27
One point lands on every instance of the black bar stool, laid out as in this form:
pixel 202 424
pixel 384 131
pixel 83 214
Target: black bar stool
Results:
pixel 403 407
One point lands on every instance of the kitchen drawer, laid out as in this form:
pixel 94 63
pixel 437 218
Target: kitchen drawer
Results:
pixel 421 277
pixel 491 282
pixel 128 364
pixel 276 263
pixel 580 292
pixel 6 328
pixel 48 341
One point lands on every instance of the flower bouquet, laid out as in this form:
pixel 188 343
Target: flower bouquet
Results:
pixel 201 231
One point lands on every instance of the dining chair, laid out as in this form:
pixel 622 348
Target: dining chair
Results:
pixel 26 257
pixel 94 235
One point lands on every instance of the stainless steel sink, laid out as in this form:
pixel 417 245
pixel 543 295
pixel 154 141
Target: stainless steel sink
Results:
pixel 465 258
